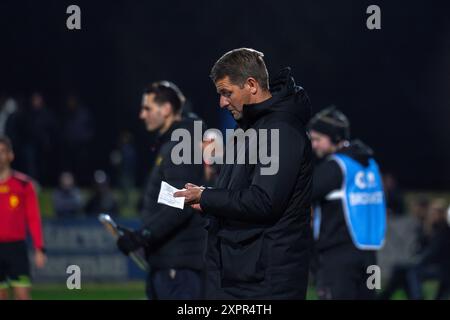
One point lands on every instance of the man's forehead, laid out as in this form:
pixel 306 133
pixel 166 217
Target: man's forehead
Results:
pixel 317 134
pixel 223 83
pixel 147 98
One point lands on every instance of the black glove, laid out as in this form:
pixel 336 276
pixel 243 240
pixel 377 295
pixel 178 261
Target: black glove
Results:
pixel 132 240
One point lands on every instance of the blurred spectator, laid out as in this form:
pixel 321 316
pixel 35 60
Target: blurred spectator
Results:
pixel 12 124
pixel 124 159
pixel 432 262
pixel 67 200
pixel 394 196
pixel 39 144
pixel 103 200
pixel 448 215
pixel 77 138
pixel 419 209
pixel 10 121
pixel 8 107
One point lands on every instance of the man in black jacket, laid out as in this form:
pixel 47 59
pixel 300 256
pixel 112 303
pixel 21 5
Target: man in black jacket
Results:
pixel 259 222
pixel 174 239
pixel 349 215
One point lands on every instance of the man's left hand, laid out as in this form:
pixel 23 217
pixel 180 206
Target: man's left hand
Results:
pixel 130 241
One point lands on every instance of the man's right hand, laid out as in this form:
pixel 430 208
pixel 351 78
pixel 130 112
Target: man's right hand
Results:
pixel 194 206
pixel 193 194
pixel 40 258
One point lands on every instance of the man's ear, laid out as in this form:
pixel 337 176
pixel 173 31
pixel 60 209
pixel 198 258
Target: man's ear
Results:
pixel 166 109
pixel 253 85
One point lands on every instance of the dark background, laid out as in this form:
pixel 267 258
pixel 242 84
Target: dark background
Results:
pixel 393 83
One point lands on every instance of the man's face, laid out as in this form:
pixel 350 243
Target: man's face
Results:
pixel 153 114
pixel 232 96
pixel 6 156
pixel 66 181
pixel 37 101
pixel 321 144
pixel 437 212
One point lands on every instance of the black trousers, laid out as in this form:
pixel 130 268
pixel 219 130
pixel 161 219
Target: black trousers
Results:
pixel 342 273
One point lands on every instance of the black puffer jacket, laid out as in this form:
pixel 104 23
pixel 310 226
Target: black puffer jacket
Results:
pixel 178 236
pixel 259 233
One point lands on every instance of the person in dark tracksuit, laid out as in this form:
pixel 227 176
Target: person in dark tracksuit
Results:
pixel 259 235
pixel 174 239
pixel 349 209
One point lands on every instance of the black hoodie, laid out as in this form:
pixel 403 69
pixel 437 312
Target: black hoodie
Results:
pixel 327 178
pixel 259 233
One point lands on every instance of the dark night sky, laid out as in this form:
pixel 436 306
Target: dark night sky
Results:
pixel 393 83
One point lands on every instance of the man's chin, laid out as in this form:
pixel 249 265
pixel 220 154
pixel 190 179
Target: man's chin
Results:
pixel 318 155
pixel 151 128
pixel 321 155
pixel 236 116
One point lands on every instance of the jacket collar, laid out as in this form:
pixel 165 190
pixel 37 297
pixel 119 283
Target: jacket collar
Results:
pixel 252 112
pixel 164 137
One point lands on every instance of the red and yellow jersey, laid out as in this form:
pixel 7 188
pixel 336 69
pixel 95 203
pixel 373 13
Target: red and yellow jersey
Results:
pixel 19 210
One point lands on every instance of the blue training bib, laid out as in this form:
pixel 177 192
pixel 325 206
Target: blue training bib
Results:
pixel 363 203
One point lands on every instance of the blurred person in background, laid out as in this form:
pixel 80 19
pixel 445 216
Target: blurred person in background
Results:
pixel 124 159
pixel 77 137
pixel 432 261
pixel 67 201
pixel 395 202
pixel 103 199
pixel 350 213
pixel 419 208
pixel 8 108
pixel 448 215
pixel 174 239
pixel 19 212
pixel 12 125
pixel 39 145
pixel 3 98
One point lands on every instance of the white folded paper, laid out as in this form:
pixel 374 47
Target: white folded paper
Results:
pixel 166 196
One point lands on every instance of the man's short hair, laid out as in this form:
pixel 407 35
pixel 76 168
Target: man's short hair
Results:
pixel 6 142
pixel 239 65
pixel 167 92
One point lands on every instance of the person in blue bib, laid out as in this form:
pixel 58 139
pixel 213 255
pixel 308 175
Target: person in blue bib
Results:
pixel 349 209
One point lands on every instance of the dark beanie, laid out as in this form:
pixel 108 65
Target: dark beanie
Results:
pixel 332 123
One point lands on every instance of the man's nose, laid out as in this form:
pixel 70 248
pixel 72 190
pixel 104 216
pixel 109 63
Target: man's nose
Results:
pixel 223 102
